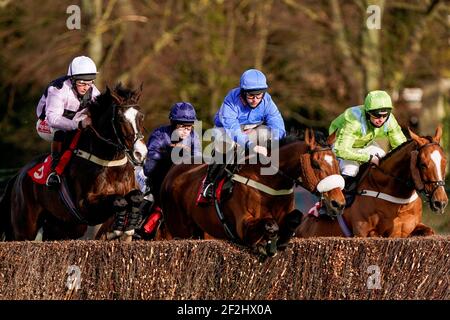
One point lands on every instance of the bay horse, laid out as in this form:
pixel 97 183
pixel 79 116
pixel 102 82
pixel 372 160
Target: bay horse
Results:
pixel 99 177
pixel 260 212
pixel 386 202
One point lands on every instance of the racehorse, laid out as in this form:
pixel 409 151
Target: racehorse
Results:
pixel 99 178
pixel 260 210
pixel 386 202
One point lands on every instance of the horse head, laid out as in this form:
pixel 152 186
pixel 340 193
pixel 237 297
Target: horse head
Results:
pixel 320 173
pixel 117 117
pixel 428 165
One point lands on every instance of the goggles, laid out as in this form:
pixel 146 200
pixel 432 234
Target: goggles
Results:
pixel 378 114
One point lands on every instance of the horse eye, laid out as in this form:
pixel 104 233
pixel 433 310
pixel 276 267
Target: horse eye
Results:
pixel 423 166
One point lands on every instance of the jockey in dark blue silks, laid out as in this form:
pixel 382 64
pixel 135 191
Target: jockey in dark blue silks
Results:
pixel 179 134
pixel 248 117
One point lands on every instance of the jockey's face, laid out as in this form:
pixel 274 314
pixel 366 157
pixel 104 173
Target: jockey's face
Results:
pixel 183 130
pixel 83 86
pixel 378 118
pixel 254 99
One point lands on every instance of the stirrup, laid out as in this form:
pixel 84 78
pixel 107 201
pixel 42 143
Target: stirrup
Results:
pixel 53 180
pixel 206 193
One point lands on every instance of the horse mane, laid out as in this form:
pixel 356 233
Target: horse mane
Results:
pixel 394 151
pixel 296 135
pixel 119 94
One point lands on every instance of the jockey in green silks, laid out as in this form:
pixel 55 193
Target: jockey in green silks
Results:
pixel 362 130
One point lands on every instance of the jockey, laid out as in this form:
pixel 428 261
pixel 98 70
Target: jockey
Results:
pixel 62 108
pixel 179 134
pixel 249 117
pixel 362 131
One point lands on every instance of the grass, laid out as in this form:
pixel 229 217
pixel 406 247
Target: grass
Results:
pixel 439 222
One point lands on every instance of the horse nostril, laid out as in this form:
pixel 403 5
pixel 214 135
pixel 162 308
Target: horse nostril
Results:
pixel 335 204
pixel 137 155
pixel 440 204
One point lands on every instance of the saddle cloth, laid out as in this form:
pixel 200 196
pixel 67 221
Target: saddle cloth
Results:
pixel 40 172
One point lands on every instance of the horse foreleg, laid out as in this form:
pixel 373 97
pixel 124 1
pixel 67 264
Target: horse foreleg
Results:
pixel 120 216
pixel 261 235
pixel 288 226
pixel 135 216
pixel 422 230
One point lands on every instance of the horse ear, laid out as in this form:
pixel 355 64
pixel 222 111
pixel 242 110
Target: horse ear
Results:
pixel 332 138
pixel 138 93
pixel 310 139
pixel 438 134
pixel 414 136
pixel 118 99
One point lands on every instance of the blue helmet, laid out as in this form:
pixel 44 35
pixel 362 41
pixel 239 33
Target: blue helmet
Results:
pixel 182 112
pixel 253 80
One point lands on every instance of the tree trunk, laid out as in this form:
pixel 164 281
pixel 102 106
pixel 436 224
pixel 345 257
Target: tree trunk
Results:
pixel 371 51
pixel 95 43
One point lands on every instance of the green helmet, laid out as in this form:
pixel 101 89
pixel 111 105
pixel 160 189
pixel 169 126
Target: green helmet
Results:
pixel 376 100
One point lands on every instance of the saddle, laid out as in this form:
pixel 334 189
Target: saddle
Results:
pixel 223 187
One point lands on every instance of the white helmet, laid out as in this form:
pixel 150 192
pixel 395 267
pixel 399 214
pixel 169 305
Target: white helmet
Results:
pixel 82 68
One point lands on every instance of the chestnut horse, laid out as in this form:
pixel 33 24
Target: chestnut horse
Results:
pixel 386 203
pixel 99 177
pixel 260 212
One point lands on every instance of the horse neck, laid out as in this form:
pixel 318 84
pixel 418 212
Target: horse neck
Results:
pixel 90 142
pixel 289 161
pixel 397 165
pixel 284 161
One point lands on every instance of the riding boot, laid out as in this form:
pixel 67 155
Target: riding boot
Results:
pixel 53 180
pixel 350 183
pixel 211 174
pixel 349 189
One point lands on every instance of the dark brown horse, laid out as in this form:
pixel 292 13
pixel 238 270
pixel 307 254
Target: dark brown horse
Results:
pixel 386 203
pixel 260 212
pixel 99 177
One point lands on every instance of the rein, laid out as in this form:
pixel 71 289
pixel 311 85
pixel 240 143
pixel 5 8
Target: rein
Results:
pixel 299 181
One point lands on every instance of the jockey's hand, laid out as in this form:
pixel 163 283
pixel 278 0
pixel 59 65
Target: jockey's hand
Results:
pixel 85 122
pixel 261 150
pixel 374 159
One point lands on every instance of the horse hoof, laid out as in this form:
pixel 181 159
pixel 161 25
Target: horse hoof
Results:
pixel 126 238
pixel 271 247
pixel 113 235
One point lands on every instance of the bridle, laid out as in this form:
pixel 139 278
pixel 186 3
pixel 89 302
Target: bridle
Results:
pixel 120 145
pixel 417 185
pixel 435 184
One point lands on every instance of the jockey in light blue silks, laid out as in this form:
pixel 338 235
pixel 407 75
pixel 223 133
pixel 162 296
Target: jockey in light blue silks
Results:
pixel 62 108
pixel 249 117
